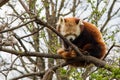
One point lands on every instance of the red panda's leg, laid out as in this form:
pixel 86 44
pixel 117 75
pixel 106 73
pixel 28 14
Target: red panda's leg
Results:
pixel 93 50
pixel 66 54
pixel 96 50
pixel 86 48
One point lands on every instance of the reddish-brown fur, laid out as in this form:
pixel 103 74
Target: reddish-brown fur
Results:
pixel 90 40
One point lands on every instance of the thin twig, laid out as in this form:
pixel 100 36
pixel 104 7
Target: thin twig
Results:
pixel 17 26
pixel 31 33
pixel 109 16
pixel 109 51
pixel 29 74
pixel 24 6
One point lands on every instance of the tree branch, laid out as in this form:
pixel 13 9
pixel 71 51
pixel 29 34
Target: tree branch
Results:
pixel 34 54
pixel 31 33
pixel 109 16
pixel 17 26
pixel 24 6
pixel 109 51
pixel 29 74
pixel 2 2
pixel 97 62
pixel 91 59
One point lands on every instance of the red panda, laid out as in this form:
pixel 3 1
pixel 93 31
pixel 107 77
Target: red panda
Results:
pixel 84 35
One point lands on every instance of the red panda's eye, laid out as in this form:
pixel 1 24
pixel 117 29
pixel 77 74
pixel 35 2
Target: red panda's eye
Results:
pixel 65 20
pixel 77 21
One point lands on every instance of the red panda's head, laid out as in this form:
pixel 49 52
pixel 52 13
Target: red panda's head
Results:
pixel 69 27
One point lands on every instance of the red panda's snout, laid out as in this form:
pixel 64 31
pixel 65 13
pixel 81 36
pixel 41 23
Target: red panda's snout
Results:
pixel 71 37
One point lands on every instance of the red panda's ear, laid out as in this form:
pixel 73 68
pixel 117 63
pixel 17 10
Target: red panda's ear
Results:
pixel 61 20
pixel 80 23
pixel 77 21
pixel 59 23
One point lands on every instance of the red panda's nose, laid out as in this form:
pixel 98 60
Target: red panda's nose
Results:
pixel 70 37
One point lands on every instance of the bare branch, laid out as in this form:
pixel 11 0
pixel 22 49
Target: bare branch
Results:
pixel 109 16
pixel 94 60
pixel 77 59
pixel 17 37
pixel 61 6
pixel 97 62
pixel 2 2
pixel 52 70
pixel 34 54
pixel 109 51
pixel 24 6
pixel 32 33
pixel 17 26
pixel 115 13
pixel 29 74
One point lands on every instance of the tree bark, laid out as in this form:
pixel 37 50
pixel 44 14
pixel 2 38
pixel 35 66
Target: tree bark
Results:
pixel 2 2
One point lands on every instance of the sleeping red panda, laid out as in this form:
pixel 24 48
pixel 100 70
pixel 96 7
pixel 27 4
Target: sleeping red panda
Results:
pixel 84 35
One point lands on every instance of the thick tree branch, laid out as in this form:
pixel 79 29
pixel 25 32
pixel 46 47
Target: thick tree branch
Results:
pixel 97 62
pixel 2 2
pixel 91 59
pixel 33 54
pixel 52 70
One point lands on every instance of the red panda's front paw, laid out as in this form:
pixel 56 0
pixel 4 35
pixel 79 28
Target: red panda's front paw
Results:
pixel 62 52
pixel 66 54
pixel 73 54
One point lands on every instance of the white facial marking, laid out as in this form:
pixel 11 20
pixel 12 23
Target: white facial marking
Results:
pixel 70 37
pixel 80 22
pixel 78 31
